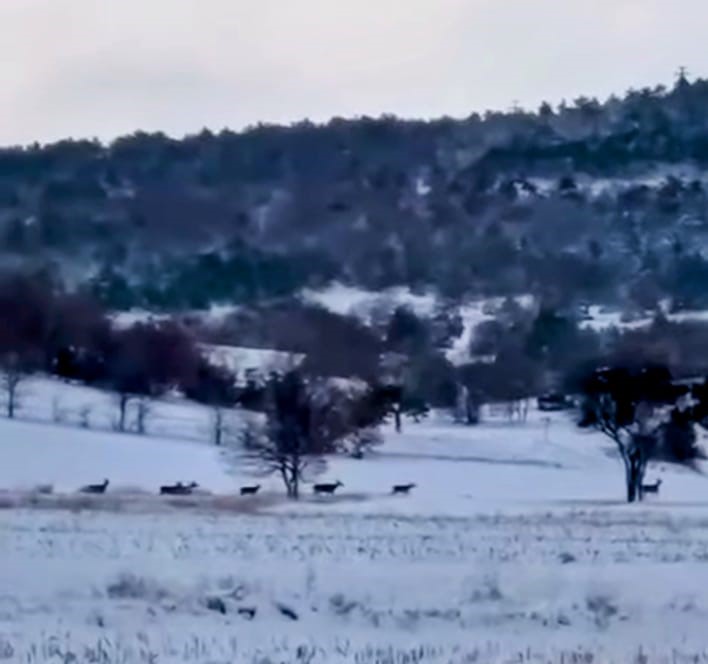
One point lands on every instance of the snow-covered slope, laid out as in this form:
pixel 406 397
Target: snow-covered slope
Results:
pixel 49 400
pixel 32 454
pixel 458 470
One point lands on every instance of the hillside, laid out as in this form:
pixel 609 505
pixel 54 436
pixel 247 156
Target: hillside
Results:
pixel 599 201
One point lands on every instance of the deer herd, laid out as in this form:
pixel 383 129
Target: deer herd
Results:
pixel 329 488
pixel 180 489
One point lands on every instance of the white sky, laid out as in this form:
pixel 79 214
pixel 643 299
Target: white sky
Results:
pixel 107 67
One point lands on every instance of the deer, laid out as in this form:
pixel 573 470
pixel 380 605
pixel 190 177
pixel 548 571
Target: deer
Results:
pixel 651 488
pixel 95 488
pixel 326 488
pixel 250 490
pixel 178 489
pixel 403 489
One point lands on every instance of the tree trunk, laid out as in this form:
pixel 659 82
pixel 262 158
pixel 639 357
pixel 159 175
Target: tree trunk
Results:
pixel 141 416
pixel 631 486
pixel 218 426
pixel 122 406
pixel 634 475
pixel 286 481
pixel 471 412
pixel 397 418
pixel 296 484
pixel 11 403
pixel 291 479
pixel 295 475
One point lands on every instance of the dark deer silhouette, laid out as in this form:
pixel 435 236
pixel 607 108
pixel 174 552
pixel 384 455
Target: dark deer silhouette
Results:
pixel 250 490
pixel 402 488
pixel 95 488
pixel 178 489
pixel 651 488
pixel 326 488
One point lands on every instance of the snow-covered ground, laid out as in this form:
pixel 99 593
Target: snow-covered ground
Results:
pixel 346 300
pixel 241 361
pixel 572 586
pixel 602 319
pixel 514 546
pixel 45 399
pixel 544 461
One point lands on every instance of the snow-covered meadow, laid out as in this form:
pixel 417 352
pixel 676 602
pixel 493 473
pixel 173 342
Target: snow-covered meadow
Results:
pixel 514 546
pixel 572 585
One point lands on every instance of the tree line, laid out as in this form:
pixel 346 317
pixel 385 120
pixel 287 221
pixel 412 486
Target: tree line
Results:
pixel 490 204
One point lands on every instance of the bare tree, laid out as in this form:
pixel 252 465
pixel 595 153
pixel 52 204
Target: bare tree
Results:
pixel 284 445
pixel 221 426
pixel 142 411
pixel 633 407
pixel 305 420
pixel 145 361
pixel 58 413
pixel 215 387
pixel 217 425
pixel 467 407
pixel 122 400
pixel 85 416
pixel 12 375
pixel 266 453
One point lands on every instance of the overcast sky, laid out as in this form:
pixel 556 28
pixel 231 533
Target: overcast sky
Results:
pixel 107 67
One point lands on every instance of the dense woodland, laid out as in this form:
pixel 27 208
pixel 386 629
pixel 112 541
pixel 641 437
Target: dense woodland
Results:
pixel 602 201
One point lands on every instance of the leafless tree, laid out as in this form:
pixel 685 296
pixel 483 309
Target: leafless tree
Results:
pixel 12 375
pixel 58 413
pixel 269 453
pixel 142 411
pixel 634 408
pixel 468 405
pixel 635 441
pixel 284 444
pixel 222 429
pixel 122 400
pixel 145 361
pixel 85 416
pixel 217 425
pixel 304 420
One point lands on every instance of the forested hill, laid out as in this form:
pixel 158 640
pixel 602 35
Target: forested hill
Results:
pixel 603 201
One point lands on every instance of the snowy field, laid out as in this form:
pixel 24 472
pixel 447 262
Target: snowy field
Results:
pixel 50 400
pixel 515 546
pixel 567 586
